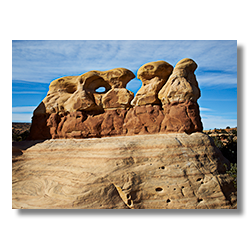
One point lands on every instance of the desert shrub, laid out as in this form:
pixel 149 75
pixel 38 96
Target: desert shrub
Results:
pixel 234 132
pixel 218 142
pixel 20 137
pixel 223 131
pixel 230 150
pixel 232 171
pixel 16 137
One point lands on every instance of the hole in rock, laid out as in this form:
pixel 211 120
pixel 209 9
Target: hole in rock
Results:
pixel 199 179
pixel 128 196
pixel 174 188
pixel 129 202
pixel 168 200
pixel 182 187
pixel 199 200
pixel 158 189
pixel 202 182
pixel 162 167
pixel 100 90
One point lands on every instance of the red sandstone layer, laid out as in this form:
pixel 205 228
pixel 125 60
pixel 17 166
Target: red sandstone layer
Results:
pixel 149 119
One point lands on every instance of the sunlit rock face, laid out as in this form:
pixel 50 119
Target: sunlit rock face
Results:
pixel 182 84
pixel 97 103
pixel 153 76
pixel 155 171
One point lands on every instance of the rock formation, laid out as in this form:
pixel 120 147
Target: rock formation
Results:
pixel 153 76
pixel 167 171
pixel 73 107
pixel 156 161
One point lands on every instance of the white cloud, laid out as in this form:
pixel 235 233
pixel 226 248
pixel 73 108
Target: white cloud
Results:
pixel 26 92
pixel 222 79
pixel 23 109
pixel 213 121
pixel 205 109
pixel 21 117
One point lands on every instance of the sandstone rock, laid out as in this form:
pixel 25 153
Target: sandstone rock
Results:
pixel 168 171
pixel 182 84
pixel 149 119
pixel 181 117
pixel 74 109
pixel 153 76
pixel 73 93
pixel 117 98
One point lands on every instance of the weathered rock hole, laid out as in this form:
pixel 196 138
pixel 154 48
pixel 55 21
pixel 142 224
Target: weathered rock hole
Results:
pixel 174 188
pixel 168 200
pixel 182 187
pixel 199 200
pixel 162 167
pixel 129 202
pixel 202 182
pixel 199 179
pixel 128 196
pixel 100 90
pixel 159 189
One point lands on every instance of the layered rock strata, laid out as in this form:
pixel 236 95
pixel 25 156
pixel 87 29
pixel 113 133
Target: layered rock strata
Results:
pixel 166 102
pixel 169 171
pixel 149 119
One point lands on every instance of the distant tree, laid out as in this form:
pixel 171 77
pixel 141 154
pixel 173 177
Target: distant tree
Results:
pixel 227 127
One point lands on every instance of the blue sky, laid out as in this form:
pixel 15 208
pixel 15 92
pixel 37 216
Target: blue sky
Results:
pixel 36 63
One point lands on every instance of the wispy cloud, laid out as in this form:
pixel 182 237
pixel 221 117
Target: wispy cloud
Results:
pixel 213 121
pixel 26 92
pixel 205 109
pixel 224 79
pixel 47 60
pixel 21 117
pixel 23 109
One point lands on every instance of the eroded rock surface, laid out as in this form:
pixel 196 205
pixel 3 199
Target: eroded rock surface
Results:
pixel 182 84
pixel 74 93
pixel 168 171
pixel 153 76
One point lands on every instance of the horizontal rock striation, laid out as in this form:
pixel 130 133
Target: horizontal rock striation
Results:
pixel 149 119
pixel 167 171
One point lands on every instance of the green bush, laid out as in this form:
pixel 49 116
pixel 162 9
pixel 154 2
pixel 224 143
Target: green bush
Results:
pixel 232 171
pixel 229 151
pixel 23 136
